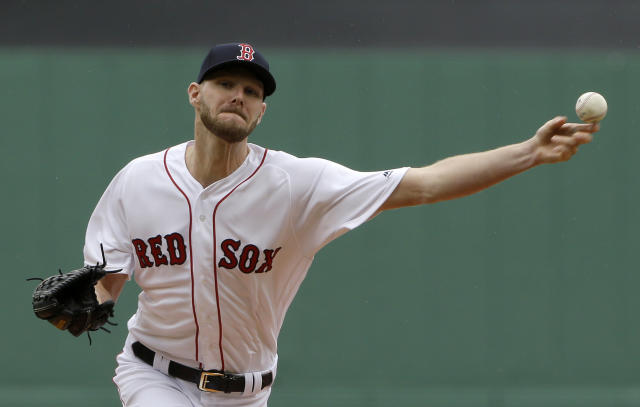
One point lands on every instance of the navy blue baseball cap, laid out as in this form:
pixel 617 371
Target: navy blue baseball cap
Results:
pixel 238 54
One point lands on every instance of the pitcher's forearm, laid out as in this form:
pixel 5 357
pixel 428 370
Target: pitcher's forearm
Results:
pixel 463 175
pixel 110 287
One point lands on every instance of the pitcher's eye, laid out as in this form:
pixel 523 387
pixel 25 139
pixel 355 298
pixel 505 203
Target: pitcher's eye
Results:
pixel 252 92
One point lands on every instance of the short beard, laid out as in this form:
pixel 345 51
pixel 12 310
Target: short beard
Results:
pixel 228 132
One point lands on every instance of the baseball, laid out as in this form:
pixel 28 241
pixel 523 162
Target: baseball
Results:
pixel 591 107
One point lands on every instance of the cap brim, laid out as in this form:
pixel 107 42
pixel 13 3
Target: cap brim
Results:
pixel 263 75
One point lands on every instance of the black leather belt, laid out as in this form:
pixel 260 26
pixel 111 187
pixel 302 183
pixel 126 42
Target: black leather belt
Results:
pixel 209 380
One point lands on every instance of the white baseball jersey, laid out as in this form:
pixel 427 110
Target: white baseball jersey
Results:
pixel 219 266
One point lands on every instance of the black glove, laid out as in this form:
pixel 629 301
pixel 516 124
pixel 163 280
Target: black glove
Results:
pixel 69 300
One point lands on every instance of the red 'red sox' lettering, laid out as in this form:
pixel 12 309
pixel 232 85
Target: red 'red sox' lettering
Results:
pixel 176 247
pixel 176 250
pixel 250 255
pixel 156 250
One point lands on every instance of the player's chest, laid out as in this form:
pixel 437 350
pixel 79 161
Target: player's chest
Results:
pixel 247 224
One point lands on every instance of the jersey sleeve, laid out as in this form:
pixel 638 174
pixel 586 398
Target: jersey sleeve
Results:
pixel 107 226
pixel 330 199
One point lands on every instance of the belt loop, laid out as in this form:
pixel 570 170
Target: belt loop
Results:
pixel 248 384
pixel 161 363
pixel 257 382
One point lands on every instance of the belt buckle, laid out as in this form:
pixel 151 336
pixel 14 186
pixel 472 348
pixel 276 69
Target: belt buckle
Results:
pixel 204 379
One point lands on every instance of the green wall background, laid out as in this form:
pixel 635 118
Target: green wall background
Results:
pixel 521 295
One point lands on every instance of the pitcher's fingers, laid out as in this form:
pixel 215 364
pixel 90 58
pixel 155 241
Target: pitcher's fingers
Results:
pixel 551 127
pixel 582 137
pixel 573 140
pixel 555 123
pixel 565 140
pixel 570 128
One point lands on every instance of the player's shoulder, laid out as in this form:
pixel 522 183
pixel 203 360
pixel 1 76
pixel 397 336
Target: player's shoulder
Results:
pixel 294 164
pixel 302 173
pixel 154 160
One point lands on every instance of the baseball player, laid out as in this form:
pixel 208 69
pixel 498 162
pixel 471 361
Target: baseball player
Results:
pixel 219 234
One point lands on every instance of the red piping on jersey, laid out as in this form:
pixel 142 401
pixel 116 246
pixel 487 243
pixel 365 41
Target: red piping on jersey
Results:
pixel 193 303
pixel 215 260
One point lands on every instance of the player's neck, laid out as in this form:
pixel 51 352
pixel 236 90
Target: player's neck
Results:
pixel 211 159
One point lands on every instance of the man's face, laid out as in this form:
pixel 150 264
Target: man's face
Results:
pixel 231 103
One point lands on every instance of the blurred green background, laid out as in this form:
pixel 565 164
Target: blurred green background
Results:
pixel 521 295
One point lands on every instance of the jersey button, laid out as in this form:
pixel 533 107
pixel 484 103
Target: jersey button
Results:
pixel 202 218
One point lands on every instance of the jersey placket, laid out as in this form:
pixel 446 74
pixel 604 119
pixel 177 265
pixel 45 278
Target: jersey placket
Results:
pixel 206 298
pixel 212 198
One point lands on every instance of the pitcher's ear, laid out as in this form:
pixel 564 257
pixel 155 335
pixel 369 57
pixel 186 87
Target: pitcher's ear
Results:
pixel 194 93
